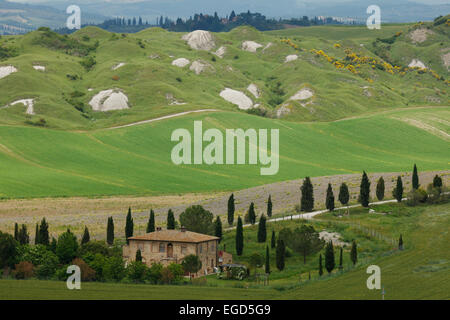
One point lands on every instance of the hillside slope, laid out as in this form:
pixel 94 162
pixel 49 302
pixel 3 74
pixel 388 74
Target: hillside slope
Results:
pixel 39 162
pixel 302 74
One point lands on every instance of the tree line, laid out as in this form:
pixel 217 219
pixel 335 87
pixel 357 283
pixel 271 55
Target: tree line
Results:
pixel 208 22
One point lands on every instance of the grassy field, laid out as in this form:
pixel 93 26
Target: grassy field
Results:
pixel 418 272
pixel 37 162
pixel 148 76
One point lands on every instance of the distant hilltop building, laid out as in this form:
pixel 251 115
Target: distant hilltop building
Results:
pixel 171 246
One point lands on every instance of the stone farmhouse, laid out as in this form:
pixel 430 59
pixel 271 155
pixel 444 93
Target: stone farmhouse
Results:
pixel 171 246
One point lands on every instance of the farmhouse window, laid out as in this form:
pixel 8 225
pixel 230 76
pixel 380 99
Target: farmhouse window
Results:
pixel 162 247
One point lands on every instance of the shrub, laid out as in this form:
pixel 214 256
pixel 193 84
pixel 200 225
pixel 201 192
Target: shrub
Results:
pixel 67 247
pixel 179 79
pixel 94 247
pixel 8 250
pixel 416 196
pixel 45 260
pixel 167 276
pixel 136 271
pixel 87 273
pixel 114 269
pixel 177 271
pixel 154 273
pixel 88 63
pixel 24 270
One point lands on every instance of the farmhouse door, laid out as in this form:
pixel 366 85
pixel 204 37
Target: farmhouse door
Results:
pixel 170 250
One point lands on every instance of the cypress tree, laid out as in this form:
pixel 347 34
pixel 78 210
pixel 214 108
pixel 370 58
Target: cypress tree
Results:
pixel 16 232
pixel 267 267
pixel 437 182
pixel 231 210
pixel 340 258
pixel 280 254
pixel 110 231
pixel 262 232
pixel 44 237
pixel 218 228
pixel 129 226
pixel 415 178
pixel 364 190
pixel 86 237
pixel 151 222
pixel 330 198
pixel 24 237
pixel 400 243
pixel 307 200
pixel 139 255
pixel 320 265
pixel 272 241
pixel 354 253
pixel 380 189
pixel 269 207
pixel 36 235
pixel 329 257
pixel 398 190
pixel 170 220
pixel 344 195
pixel 251 213
pixel 239 237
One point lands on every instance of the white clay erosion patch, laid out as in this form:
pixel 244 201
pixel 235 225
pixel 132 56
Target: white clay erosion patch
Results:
pixel 39 68
pixel 200 40
pixel 291 57
pixel 302 94
pixel 6 71
pixel 254 90
pixel 416 63
pixel 28 103
pixel 420 35
pixel 238 98
pixel 332 236
pixel 250 46
pixel 180 62
pixel 199 67
pixel 119 65
pixel 172 101
pixel 267 46
pixel 284 110
pixel 108 100
pixel 221 52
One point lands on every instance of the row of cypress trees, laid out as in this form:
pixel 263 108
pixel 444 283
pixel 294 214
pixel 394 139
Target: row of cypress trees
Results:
pixel 251 210
pixel 41 234
pixel 307 199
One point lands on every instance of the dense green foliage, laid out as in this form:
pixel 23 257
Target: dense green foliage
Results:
pixel 195 218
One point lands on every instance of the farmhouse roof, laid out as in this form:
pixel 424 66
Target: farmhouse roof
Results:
pixel 175 236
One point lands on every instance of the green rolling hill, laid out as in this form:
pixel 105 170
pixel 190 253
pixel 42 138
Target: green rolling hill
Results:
pixel 39 162
pixel 348 71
